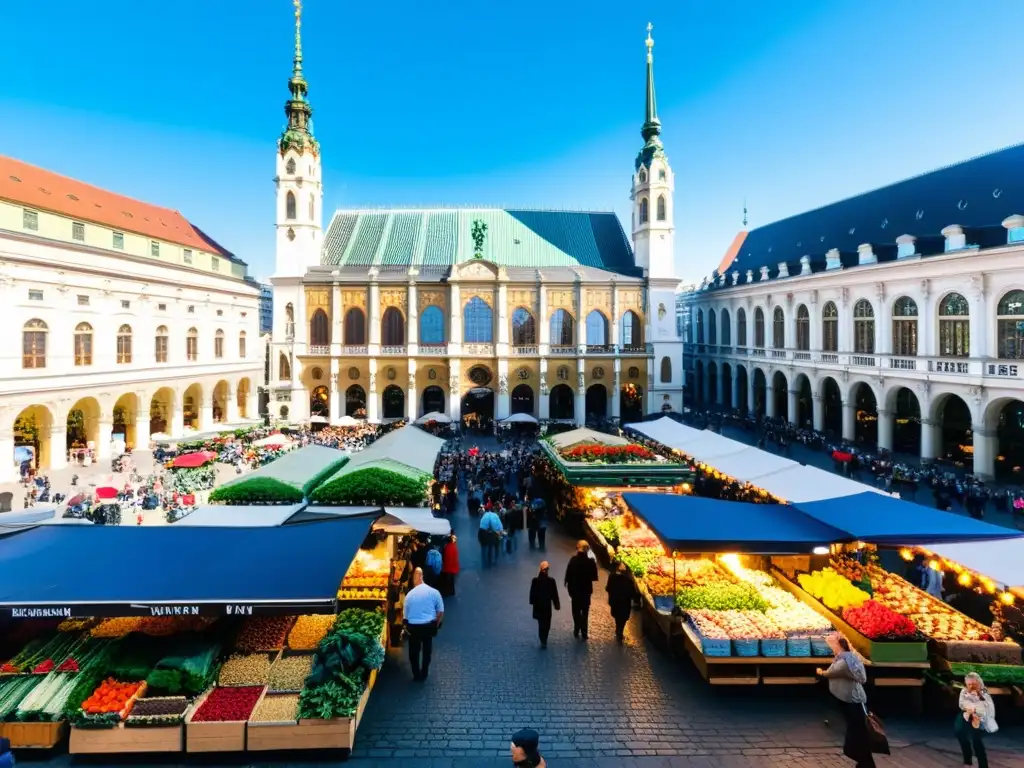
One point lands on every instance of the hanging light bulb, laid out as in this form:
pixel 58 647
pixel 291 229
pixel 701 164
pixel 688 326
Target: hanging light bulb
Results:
pixel 906 554
pixel 965 580
pixel 1006 598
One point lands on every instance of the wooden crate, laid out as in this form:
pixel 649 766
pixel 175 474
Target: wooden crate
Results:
pixel 92 741
pixel 34 735
pixel 213 737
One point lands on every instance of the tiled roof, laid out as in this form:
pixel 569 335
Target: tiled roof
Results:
pixel 34 187
pixel 977 194
pixel 515 238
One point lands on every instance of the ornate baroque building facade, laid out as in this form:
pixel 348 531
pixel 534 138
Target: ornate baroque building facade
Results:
pixel 895 317
pixel 399 313
pixel 123 320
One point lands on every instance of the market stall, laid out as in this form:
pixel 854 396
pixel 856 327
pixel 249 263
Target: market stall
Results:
pixel 586 458
pixel 288 479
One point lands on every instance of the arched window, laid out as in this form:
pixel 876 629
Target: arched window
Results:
pixel 1010 326
pixel 524 328
pixel 954 326
pixel 759 328
pixel 160 344
pixel 741 327
pixel 726 328
pixel 124 344
pixel 904 327
pixel 355 402
pixel 83 344
pixel 192 345
pixel 392 328
pixel 393 402
pixel 477 322
pixel 284 368
pixel 312 207
pixel 597 328
pixel 803 328
pixel 644 212
pixel 562 328
pixel 319 329
pixel 355 327
pixel 643 176
pixel 700 326
pixel 432 325
pixel 661 207
pixel 632 331
pixel 829 327
pixel 863 327
pixel 241 345
pixel 666 370
pixel 218 344
pixel 779 328
pixel 289 206
pixel 289 321
pixel 289 167
pixel 712 327
pixel 33 341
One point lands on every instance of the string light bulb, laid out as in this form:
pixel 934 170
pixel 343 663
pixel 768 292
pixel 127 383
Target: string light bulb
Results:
pixel 906 554
pixel 965 580
pixel 1006 598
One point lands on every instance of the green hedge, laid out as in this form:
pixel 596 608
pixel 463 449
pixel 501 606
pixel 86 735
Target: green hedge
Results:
pixel 258 490
pixel 323 475
pixel 372 486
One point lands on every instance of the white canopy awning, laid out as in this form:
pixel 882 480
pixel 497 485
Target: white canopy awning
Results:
pixel 409 519
pixel 348 421
pixel 227 516
pixel 752 463
pixel 584 435
pixel 801 483
pixel 278 439
pixel 519 418
pixel 1001 561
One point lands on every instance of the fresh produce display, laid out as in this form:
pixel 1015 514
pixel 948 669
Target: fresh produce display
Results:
pixel 363 593
pixel 370 623
pixel 1006 674
pixel 875 621
pixel 736 625
pixel 721 597
pixel 117 627
pixel 111 696
pixel 338 697
pixel 596 453
pixel 638 560
pixel 309 631
pixel 76 625
pixel 947 625
pixel 367 571
pixel 277 709
pixel 228 705
pixel 163 626
pixel 13 690
pixel 707 628
pixel 159 710
pixel 793 617
pixel 290 672
pixel 264 633
pixel 43 654
pixel 639 538
pixel 245 670
pixel 47 701
pixel 980 651
pixel 190 671
pixel 835 591
pixel 610 530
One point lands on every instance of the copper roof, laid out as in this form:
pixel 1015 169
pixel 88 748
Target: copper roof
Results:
pixel 36 187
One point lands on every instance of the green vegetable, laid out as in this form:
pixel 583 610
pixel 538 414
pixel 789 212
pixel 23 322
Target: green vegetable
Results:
pixel 721 597
pixel 990 673
pixel 610 530
pixel 162 681
pixel 369 623
pixel 13 690
pixel 638 560
pixel 337 698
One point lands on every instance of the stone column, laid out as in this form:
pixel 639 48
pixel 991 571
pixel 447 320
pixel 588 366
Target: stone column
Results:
pixel 9 472
pixel 581 397
pixel 750 391
pixel 206 413
pixel 252 403
pixel 335 402
pixel 372 400
pixel 104 434
pixel 978 321
pixel 544 411
pixel 337 331
pixel 615 406
pixel 411 395
pixel 455 389
pixel 455 331
pixel 412 321
pixel 142 423
pixel 373 315
pixel 986 446
pixel 719 388
pixel 818 409
pixel 503 408
pixel 792 409
pixel 176 418
pixel 849 421
pixel 735 382
pixel 886 423
pixel 769 401
pixel 930 438
pixel 58 446
pixel 231 406
pixel 614 331
pixel 502 315
pixel 543 322
pixel 581 321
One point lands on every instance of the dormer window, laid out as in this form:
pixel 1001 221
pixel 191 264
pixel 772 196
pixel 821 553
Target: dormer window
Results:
pixel 290 166
pixel 643 176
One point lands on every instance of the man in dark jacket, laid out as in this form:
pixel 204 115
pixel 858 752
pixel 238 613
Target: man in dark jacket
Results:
pixel 544 595
pixel 580 575
pixel 620 599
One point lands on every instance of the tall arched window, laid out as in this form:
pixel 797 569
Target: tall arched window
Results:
pixel 644 212
pixel 904 327
pixel 712 327
pixel 759 328
pixel 632 330
pixel 477 322
pixel 779 328
pixel 803 328
pixel 192 345
pixel 524 328
pixel 1010 326
pixel 289 167
pixel 241 345
pixel 355 327
pixel 666 370
pixel 160 343
pixel 700 326
pixel 562 328
pixel 33 344
pixel 218 344
pixel 597 328
pixel 741 327
pixel 432 325
pixel 954 326
pixel 392 328
pixel 829 327
pixel 124 344
pixel 661 207
pixel 289 206
pixel 83 344
pixel 726 328
pixel 284 368
pixel 863 327
pixel 319 329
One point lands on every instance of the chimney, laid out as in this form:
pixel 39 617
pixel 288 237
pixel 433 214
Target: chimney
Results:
pixel 866 254
pixel 735 276
pixel 832 259
pixel 906 246
pixel 783 269
pixel 764 273
pixel 750 275
pixel 805 265
pixel 1014 228
pixel 955 238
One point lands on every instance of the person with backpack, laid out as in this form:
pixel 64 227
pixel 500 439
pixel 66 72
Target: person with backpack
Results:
pixel 433 566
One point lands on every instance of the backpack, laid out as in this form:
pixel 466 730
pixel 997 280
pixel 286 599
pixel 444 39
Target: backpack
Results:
pixel 434 560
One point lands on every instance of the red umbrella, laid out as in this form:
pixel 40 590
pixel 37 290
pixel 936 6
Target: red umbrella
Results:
pixel 77 499
pixel 193 460
pixel 106 492
pixel 842 456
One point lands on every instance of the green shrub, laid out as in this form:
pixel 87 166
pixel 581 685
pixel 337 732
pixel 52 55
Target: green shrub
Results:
pixel 257 490
pixel 323 475
pixel 373 486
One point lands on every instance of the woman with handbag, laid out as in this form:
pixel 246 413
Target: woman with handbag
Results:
pixel 977 717
pixel 846 677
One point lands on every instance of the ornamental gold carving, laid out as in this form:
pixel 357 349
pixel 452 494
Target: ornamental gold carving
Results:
pixel 522 298
pixel 397 299
pixel 487 297
pixel 597 298
pixel 562 299
pixel 477 269
pixel 318 297
pixel 353 299
pixel 431 298
pixel 630 300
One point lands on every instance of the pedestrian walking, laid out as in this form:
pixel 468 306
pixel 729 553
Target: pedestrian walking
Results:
pixel 424 612
pixel 580 575
pixel 526 749
pixel 490 534
pixel 544 597
pixel 977 717
pixel 846 677
pixel 449 567
pixel 434 563
pixel 540 512
pixel 620 599
pixel 514 524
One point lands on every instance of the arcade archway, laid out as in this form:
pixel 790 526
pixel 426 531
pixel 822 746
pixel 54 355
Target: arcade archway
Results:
pixel 126 412
pixel 32 443
pixel 393 402
pixel 522 399
pixel 560 402
pixel 597 402
pixel 433 400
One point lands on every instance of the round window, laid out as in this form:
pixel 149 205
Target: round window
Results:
pixel 523 373
pixel 480 376
pixel 599 373
pixel 353 373
pixel 391 374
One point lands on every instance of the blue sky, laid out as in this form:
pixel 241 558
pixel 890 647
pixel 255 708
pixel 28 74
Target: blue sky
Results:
pixel 790 104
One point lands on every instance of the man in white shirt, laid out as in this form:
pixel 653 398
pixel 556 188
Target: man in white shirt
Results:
pixel 424 612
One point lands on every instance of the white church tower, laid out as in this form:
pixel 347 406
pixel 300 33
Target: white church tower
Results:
pixel 298 221
pixel 654 252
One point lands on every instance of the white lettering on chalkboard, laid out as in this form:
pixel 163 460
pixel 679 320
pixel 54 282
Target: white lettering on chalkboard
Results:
pixel 40 613
pixel 238 610
pixel 174 610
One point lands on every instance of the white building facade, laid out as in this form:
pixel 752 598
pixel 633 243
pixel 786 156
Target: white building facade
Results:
pixel 895 318
pixel 124 320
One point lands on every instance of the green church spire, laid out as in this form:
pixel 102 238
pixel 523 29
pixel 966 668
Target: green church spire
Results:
pixel 299 132
pixel 652 125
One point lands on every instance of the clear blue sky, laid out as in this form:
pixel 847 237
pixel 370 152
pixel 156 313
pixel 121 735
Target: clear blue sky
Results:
pixel 789 104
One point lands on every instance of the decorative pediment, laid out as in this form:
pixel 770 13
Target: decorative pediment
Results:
pixel 477 269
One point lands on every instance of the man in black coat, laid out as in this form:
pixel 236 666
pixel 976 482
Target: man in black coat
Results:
pixel 544 595
pixel 580 575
